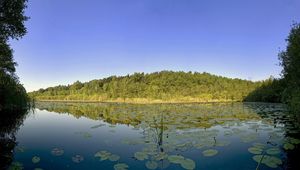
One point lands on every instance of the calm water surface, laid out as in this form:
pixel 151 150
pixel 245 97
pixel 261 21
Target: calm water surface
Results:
pixel 157 136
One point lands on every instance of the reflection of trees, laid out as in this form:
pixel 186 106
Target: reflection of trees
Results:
pixel 187 115
pixel 9 125
pixel 172 129
pixel 158 139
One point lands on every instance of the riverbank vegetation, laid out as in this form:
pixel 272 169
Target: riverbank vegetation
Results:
pixel 13 95
pixel 287 88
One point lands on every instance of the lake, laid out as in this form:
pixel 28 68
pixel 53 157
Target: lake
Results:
pixel 156 136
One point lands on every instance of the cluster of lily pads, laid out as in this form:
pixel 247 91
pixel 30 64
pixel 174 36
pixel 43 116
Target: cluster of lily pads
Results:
pixel 266 156
pixel 105 155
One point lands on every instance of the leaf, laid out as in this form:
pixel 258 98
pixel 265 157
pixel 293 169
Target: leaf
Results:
pixel 273 151
pixel 210 152
pixel 35 159
pixel 140 156
pixel 255 150
pixel 176 159
pixel 188 164
pixel 121 166
pixel 294 141
pixel 288 146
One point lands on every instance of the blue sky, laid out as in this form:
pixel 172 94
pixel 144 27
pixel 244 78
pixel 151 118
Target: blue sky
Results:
pixel 71 40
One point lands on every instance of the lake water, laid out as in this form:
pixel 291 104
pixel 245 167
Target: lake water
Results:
pixel 157 136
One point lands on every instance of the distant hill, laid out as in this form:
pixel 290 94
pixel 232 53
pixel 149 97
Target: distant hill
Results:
pixel 164 86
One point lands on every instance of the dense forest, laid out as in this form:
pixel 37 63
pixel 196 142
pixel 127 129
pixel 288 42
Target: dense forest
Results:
pixel 286 89
pixel 13 95
pixel 164 86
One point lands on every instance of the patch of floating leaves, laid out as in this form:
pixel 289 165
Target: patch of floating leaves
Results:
pixel 270 161
pixel 185 163
pixel 105 155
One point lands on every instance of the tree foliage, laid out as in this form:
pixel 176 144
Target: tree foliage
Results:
pixel 290 61
pixel 165 86
pixel 12 18
pixel 286 89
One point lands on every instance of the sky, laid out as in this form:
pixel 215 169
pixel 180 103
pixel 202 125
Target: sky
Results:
pixel 71 40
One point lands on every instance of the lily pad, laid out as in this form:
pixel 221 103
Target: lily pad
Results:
pixel 294 141
pixel 176 159
pixel 151 164
pixel 140 156
pixel 210 152
pixel 114 157
pixel 188 164
pixel 288 146
pixel 57 152
pixel 104 155
pixel 77 158
pixel 255 150
pixel 270 161
pixel 273 151
pixel 121 166
pixel 35 159
pixel 259 145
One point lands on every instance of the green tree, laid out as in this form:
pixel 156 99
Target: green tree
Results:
pixel 290 61
pixel 12 18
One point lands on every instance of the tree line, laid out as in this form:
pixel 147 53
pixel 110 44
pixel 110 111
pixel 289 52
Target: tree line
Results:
pixel 168 86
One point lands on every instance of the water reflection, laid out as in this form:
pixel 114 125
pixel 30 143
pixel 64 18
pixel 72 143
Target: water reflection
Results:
pixel 167 136
pixel 9 125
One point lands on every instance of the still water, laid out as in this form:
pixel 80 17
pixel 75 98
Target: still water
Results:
pixel 158 136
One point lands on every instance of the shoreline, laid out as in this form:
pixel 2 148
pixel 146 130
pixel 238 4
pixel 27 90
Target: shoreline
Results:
pixel 149 102
pixel 138 102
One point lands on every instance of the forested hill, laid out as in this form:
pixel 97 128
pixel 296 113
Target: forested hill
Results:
pixel 164 86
